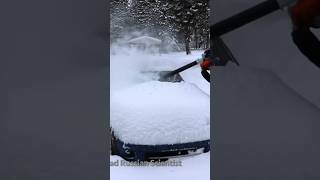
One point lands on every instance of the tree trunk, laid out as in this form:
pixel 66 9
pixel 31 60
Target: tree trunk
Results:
pixel 187 41
pixel 196 38
pixel 208 42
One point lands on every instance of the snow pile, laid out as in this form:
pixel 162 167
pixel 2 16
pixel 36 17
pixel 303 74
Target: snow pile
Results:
pixel 156 112
pixel 197 167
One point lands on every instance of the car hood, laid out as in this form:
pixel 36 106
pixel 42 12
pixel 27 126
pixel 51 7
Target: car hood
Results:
pixel 155 113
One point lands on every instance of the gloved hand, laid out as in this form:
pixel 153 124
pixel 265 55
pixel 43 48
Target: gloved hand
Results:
pixel 304 13
pixel 206 63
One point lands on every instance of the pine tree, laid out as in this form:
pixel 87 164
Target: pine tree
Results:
pixel 201 31
pixel 119 18
pixel 182 16
pixel 186 21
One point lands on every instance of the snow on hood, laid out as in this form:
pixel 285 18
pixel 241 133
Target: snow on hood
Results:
pixel 154 113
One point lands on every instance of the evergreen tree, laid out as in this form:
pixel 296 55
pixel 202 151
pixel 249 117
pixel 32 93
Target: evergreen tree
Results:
pixel 119 18
pixel 186 21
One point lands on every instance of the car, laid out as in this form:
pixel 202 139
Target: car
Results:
pixel 157 120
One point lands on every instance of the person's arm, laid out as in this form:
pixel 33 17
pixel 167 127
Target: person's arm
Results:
pixel 308 44
pixel 205 65
pixel 304 15
pixel 205 75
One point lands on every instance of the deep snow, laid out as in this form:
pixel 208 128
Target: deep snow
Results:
pixel 156 112
pixel 185 105
pixel 144 111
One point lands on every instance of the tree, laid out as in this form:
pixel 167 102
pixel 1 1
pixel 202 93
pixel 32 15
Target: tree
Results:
pixel 117 18
pixel 189 17
pixel 202 24
pixel 184 21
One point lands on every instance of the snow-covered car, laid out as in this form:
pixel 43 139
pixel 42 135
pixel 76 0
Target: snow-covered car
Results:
pixel 159 120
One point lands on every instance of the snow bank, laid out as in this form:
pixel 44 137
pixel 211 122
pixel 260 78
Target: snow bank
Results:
pixel 197 167
pixel 156 112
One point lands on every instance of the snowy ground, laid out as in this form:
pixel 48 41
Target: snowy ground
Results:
pixel 125 75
